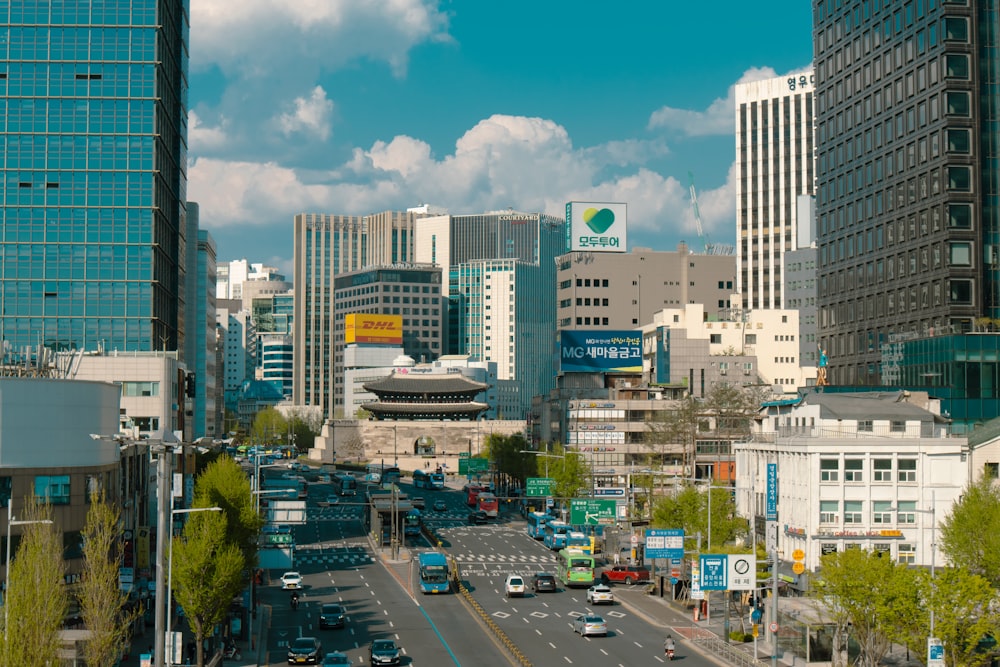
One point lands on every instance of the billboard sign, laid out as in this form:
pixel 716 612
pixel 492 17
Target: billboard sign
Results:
pixel 369 328
pixel 600 351
pixel 771 509
pixel 665 543
pixel 596 227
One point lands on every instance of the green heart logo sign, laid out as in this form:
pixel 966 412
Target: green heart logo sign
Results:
pixel 599 220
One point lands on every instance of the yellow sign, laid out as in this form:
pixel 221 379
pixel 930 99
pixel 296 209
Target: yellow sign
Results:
pixel 369 328
pixel 755 630
pixel 798 554
pixel 798 567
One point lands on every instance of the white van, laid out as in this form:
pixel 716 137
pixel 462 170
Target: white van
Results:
pixel 514 586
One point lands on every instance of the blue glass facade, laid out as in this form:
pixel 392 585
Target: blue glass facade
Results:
pixel 93 133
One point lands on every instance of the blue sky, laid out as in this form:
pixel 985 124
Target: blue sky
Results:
pixel 360 106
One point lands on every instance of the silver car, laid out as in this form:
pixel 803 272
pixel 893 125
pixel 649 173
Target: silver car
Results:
pixel 589 624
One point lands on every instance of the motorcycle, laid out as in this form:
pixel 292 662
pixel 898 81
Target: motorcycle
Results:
pixel 670 653
pixel 295 602
pixel 231 652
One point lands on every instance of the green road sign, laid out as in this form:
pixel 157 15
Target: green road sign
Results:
pixel 539 487
pixel 463 455
pixel 467 466
pixel 589 511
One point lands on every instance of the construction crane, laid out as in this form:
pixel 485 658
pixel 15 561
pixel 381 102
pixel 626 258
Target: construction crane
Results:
pixel 710 248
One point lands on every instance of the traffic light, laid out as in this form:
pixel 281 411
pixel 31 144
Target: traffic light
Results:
pixel 189 385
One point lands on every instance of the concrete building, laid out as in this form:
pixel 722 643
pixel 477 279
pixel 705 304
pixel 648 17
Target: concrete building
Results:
pixel 800 288
pixel 859 470
pixel 325 247
pixel 238 339
pixel 906 192
pixel 602 290
pixel 55 459
pixel 239 278
pixel 199 327
pixel 775 159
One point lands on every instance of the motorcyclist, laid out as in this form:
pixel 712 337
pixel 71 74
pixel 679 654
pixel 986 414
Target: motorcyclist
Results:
pixel 668 644
pixel 295 600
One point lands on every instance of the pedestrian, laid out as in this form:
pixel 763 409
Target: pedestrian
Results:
pixel 618 558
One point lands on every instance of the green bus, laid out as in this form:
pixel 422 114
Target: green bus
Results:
pixel 576 569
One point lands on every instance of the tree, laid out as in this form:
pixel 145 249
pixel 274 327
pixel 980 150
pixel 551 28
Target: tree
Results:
pixel 688 509
pixel 874 596
pixel 970 534
pixel 207 573
pixel 964 614
pixel 37 600
pixel 508 454
pixel 569 472
pixel 223 484
pixel 269 427
pixel 673 428
pixel 102 601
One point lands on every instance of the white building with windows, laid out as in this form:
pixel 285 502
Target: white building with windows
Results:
pixel 875 470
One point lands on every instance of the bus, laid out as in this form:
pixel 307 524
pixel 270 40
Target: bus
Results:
pixel 412 523
pixel 488 503
pixel 555 534
pixel 380 473
pixel 433 573
pixel 577 541
pixel 472 494
pixel 536 524
pixel 344 484
pixel 422 479
pixel 575 569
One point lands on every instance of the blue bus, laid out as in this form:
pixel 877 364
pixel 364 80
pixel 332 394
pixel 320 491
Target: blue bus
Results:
pixel 422 479
pixel 433 573
pixel 556 533
pixel 579 541
pixel 380 473
pixel 344 484
pixel 412 523
pixel 536 524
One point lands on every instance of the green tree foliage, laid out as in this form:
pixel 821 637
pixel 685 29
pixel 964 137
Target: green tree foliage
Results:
pixel 223 484
pixel 688 509
pixel 571 473
pixel 673 429
pixel 970 534
pixel 964 615
pixel 207 573
pixel 269 428
pixel 507 452
pixel 36 598
pixel 876 596
pixel 102 601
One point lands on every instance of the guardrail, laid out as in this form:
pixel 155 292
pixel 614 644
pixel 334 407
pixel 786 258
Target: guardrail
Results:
pixel 729 653
pixel 494 628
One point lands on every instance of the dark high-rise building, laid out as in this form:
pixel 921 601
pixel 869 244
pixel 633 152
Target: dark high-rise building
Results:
pixel 907 190
pixel 93 151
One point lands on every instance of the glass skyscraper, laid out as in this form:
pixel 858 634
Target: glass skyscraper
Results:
pixel 93 138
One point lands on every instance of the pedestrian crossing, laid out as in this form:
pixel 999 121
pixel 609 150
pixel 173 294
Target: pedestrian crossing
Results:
pixel 349 556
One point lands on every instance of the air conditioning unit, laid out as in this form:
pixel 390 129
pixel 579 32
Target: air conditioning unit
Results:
pixel 724 371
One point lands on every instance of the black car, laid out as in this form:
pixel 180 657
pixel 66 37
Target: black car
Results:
pixel 305 651
pixel 543 582
pixel 478 517
pixel 331 616
pixel 383 652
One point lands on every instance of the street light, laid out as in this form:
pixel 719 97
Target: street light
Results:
pixel 170 570
pixel 6 596
pixel 933 512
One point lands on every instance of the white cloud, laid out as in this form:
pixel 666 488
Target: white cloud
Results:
pixel 254 37
pixel 716 119
pixel 205 137
pixel 310 115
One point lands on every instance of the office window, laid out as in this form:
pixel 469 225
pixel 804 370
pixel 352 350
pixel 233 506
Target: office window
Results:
pixel 897 426
pixel 854 470
pixel 865 425
pixel 6 488
pixel 957 103
pixel 956 29
pixel 828 511
pixel 961 254
pixel 906 511
pixel 829 470
pixel 959 141
pixel 960 216
pixel 140 388
pixel 52 488
pixel 882 512
pixel 956 66
pixel 906 553
pixel 853 511
pixel 715 339
pixel 907 470
pixel 960 291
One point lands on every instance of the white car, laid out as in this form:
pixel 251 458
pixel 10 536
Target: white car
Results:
pixel 600 594
pixel 513 586
pixel 291 581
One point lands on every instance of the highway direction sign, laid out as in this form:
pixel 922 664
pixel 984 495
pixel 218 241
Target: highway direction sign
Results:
pixel 590 511
pixel 467 466
pixel 539 487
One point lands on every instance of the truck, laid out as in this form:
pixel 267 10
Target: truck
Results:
pixel 625 574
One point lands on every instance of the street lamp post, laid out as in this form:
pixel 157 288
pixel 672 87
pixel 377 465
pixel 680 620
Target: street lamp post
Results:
pixel 170 573
pixel 932 641
pixel 11 521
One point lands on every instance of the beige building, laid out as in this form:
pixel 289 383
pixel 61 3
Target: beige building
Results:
pixel 606 290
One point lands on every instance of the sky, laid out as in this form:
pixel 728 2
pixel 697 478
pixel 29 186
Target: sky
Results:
pixel 362 106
